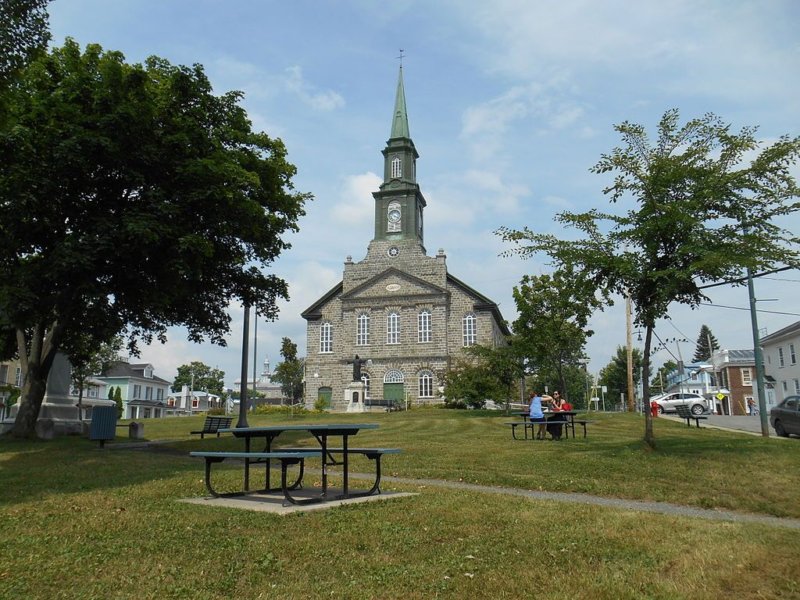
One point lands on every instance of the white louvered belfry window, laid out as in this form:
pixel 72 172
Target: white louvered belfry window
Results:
pixel 397 168
pixel 424 327
pixel 469 330
pixel 326 338
pixel 393 328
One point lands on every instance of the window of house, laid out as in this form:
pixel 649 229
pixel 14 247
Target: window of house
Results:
pixel 393 328
pixel 18 377
pixel 785 386
pixel 397 167
pixel 326 338
pixel 747 377
pixel 781 361
pixel 195 402
pixel 797 386
pixel 469 329
pixel 171 402
pixel 426 384
pixel 159 394
pixel 362 333
pixel 424 327
pixel 4 374
pixel 137 392
pixel 148 372
pixel 792 355
pixel 148 393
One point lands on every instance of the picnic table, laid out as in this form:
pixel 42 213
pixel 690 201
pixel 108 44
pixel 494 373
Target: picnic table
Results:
pixel 322 433
pixel 568 422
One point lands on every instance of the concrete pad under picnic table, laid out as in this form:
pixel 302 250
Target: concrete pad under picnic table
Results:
pixel 274 502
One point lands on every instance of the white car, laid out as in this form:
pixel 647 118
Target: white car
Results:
pixel 667 402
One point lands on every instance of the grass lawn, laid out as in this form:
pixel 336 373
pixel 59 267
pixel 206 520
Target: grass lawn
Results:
pixel 80 522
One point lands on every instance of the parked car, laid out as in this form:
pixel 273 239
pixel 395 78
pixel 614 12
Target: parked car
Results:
pixel 785 418
pixel 667 402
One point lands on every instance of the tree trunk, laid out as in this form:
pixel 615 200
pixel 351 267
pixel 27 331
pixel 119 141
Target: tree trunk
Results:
pixel 649 436
pixel 30 402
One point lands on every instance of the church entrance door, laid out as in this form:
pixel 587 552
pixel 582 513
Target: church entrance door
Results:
pixel 324 395
pixel 393 391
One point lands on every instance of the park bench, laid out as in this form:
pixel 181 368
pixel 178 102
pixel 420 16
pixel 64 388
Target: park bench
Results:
pixel 685 413
pixel 286 458
pixel 213 425
pixel 371 453
pixel 103 427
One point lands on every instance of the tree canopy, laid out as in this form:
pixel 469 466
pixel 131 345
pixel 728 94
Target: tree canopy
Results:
pixel 702 203
pixel 290 372
pixel 615 374
pixel 132 199
pixel 199 376
pixel 706 345
pixel 23 34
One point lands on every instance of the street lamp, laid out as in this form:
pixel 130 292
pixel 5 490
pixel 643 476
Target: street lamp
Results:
pixel 243 383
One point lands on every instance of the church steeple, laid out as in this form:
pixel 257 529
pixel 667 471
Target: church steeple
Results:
pixel 399 203
pixel 400 122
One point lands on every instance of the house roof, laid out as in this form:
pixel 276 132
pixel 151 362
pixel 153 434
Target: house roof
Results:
pixel 125 369
pixel 788 331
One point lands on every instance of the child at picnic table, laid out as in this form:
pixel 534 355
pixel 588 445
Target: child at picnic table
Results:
pixel 536 415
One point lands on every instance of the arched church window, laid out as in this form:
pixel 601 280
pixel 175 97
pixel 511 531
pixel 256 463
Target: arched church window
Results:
pixel 397 168
pixel 393 328
pixel 424 326
pixel 426 384
pixel 365 379
pixel 394 376
pixel 362 333
pixel 326 338
pixel 469 329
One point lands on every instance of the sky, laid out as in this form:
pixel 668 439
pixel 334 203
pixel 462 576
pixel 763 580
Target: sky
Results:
pixel 510 103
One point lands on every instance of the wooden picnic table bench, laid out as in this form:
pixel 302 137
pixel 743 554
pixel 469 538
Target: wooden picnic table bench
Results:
pixel 286 459
pixel 685 413
pixel 213 425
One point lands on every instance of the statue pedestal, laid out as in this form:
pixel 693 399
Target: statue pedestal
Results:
pixel 354 396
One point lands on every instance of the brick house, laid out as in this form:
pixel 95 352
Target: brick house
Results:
pixel 399 308
pixel 735 375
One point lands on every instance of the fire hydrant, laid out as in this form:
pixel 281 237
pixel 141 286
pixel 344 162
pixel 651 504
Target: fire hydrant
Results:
pixel 654 408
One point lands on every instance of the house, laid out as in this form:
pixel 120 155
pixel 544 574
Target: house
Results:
pixel 10 384
pixel 191 402
pixel 692 379
pixel 781 367
pixel 143 394
pixel 734 373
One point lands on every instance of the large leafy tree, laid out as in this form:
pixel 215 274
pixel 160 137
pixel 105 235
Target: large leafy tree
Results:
pixel 132 199
pixel 658 382
pixel 90 357
pixel 23 35
pixel 484 373
pixel 702 203
pixel 551 329
pixel 201 376
pixel 706 345
pixel 290 372
pixel 615 374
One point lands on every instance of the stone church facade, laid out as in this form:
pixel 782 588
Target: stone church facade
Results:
pixel 398 309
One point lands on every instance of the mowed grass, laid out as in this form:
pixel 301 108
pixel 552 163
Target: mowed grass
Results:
pixel 80 522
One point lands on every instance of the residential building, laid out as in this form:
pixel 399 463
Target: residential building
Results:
pixel 735 377
pixel 692 379
pixel 781 368
pixel 398 314
pixel 191 402
pixel 143 393
pixel 10 384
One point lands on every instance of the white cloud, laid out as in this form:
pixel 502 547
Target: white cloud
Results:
pixel 356 204
pixel 318 100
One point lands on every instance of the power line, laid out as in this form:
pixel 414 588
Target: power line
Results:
pixel 744 279
pixel 772 312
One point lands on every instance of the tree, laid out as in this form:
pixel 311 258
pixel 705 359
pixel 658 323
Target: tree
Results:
pixel 657 382
pixel 92 358
pixel 484 373
pixel 118 401
pixel 199 376
pixel 550 331
pixel 698 213
pixel 615 374
pixel 132 199
pixel 290 372
pixel 706 345
pixel 23 35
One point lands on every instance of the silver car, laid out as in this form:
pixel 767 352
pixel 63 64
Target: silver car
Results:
pixel 667 402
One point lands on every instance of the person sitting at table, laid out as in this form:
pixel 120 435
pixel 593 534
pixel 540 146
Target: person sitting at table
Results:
pixel 556 422
pixel 536 415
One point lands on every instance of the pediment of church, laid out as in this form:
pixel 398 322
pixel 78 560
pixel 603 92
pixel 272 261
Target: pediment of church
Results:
pixel 393 283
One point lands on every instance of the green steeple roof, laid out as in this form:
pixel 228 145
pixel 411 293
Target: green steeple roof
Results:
pixel 400 120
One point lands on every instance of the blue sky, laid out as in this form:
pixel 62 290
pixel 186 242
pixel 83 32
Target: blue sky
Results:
pixel 510 103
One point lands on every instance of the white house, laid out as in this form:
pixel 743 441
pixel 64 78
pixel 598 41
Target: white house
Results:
pixel 780 361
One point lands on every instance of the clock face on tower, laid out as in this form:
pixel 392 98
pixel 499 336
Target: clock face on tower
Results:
pixel 394 215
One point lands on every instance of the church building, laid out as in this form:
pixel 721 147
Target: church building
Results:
pixel 398 310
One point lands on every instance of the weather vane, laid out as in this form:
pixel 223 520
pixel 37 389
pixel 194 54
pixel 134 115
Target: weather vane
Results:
pixel 401 58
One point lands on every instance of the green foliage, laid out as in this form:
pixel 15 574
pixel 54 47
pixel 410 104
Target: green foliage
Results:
pixel 696 208
pixel 133 199
pixel 92 357
pixel 23 35
pixel 118 401
pixel 658 383
pixel 320 405
pixel 615 374
pixel 290 372
pixel 111 392
pixel 487 373
pixel 202 376
pixel 706 345
pixel 268 409
pixel 551 329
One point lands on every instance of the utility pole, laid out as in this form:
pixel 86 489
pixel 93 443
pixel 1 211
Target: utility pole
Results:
pixel 762 400
pixel 243 384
